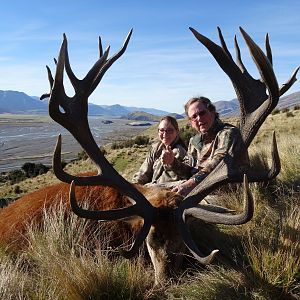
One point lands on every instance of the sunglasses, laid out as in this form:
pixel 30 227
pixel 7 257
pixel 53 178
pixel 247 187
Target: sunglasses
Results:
pixel 198 114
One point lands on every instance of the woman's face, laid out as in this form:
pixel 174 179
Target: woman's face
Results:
pixel 167 133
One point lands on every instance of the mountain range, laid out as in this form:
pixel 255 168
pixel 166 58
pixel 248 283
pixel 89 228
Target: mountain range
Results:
pixel 15 102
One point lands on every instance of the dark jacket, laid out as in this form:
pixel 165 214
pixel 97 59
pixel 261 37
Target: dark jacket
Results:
pixel 205 151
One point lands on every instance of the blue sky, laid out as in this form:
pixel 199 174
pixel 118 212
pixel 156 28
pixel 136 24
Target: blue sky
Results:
pixel 164 64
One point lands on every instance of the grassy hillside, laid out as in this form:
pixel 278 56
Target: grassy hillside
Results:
pixel 258 260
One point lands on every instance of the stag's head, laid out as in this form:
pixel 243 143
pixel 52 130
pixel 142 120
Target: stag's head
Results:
pixel 164 224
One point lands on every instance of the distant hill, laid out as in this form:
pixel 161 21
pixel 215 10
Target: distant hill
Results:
pixel 144 116
pixel 177 116
pixel 141 116
pixel 19 103
pixel 289 101
pixel 227 108
pixel 231 108
pixel 120 110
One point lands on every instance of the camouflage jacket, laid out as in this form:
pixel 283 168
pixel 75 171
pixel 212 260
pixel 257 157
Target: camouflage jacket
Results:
pixel 154 171
pixel 205 151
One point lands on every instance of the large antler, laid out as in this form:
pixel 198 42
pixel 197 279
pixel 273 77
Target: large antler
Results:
pixel 252 95
pixel 72 113
pixel 256 104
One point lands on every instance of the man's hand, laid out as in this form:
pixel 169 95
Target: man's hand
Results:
pixel 167 156
pixel 184 188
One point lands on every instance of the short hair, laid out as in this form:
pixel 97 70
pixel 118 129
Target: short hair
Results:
pixel 170 119
pixel 205 101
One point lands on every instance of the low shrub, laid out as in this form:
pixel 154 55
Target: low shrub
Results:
pixel 33 170
pixel 139 140
pixel 16 176
pixel 186 133
pixel 17 189
pixel 82 155
pixel 275 111
pixel 289 114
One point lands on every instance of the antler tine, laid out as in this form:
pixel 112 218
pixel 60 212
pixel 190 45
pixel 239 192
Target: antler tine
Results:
pixel 265 69
pixel 263 175
pixel 188 240
pixel 66 177
pixel 108 215
pixel 58 96
pixel 223 43
pixel 286 86
pixel 115 214
pixel 100 47
pixel 57 166
pixel 223 59
pixel 221 218
pixel 190 244
pixel 51 80
pixel 268 49
pixel 86 83
pixel 50 77
pixel 73 79
pixel 110 62
pixel 211 217
pixel 239 61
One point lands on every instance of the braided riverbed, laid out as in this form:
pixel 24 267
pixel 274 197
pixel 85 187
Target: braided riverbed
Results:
pixel 32 138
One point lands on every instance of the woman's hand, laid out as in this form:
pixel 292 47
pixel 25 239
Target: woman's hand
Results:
pixel 167 156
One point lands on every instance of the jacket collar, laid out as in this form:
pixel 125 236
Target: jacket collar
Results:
pixel 199 139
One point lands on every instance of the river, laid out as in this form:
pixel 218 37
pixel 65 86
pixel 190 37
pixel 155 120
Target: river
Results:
pixel 32 138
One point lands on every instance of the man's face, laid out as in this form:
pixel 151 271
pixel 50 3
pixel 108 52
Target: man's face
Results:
pixel 200 117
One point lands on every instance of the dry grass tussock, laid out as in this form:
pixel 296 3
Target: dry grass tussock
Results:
pixel 61 264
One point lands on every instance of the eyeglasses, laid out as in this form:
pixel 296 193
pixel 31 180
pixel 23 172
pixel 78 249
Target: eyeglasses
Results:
pixel 198 114
pixel 167 131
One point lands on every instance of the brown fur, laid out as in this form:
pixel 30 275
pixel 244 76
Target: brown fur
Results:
pixel 163 241
pixel 15 218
